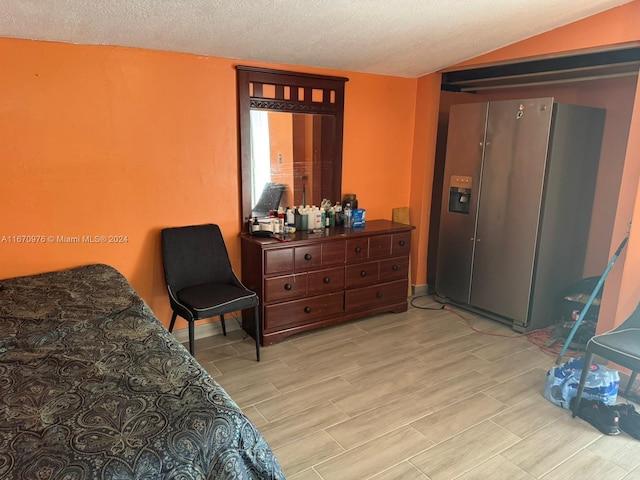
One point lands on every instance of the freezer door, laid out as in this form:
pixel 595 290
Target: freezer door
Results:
pixel 509 210
pixel 465 144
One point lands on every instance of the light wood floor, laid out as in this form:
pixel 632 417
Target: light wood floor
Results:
pixel 417 395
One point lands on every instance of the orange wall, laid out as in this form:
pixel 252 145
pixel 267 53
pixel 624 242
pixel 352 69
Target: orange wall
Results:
pixel 424 150
pixel 117 141
pixel 112 141
pixel 281 144
pixel 378 126
pixel 617 25
pixel 622 289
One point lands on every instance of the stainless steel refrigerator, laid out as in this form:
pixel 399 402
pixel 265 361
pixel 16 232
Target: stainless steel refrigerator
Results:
pixel 517 200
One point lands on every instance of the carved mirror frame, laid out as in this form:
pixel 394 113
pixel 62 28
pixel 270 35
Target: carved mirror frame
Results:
pixel 291 92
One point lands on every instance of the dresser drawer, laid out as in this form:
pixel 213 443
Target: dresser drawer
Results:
pixel 380 246
pixel 278 261
pixel 401 244
pixel 375 296
pixel 304 311
pixel 333 253
pixel 308 257
pixel 285 287
pixel 394 269
pixel 324 281
pixel 357 249
pixel 361 274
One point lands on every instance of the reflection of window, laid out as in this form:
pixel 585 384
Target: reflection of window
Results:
pixel 260 148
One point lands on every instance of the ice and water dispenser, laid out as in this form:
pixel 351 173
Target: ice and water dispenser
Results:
pixel 460 194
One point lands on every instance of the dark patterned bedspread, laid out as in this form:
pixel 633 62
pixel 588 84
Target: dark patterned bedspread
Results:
pixel 92 386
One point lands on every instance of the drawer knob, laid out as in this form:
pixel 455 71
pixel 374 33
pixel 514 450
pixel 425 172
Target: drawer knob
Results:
pixel 363 273
pixel 288 286
pixel 307 256
pixel 307 309
pixel 401 243
pixel 358 250
pixel 379 295
pixel 326 279
pixel 394 268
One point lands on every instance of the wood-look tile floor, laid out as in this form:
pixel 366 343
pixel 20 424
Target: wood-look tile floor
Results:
pixel 416 395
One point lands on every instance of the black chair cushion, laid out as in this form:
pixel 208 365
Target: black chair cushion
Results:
pixel 224 298
pixel 620 346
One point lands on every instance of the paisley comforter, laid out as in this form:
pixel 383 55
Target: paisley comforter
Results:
pixel 92 386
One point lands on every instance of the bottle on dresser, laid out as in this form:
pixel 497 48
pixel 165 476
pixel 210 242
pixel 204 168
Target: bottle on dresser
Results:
pixel 338 213
pixel 304 218
pixel 348 217
pixel 297 215
pixel 317 218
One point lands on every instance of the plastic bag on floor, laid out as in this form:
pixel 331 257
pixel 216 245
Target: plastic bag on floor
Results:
pixel 563 380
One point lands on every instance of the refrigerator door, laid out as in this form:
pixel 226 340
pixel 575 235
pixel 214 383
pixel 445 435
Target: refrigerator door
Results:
pixel 510 205
pixel 572 172
pixel 465 146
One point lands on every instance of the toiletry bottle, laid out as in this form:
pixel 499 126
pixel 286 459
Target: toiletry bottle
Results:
pixel 304 219
pixel 311 221
pixel 255 226
pixel 347 215
pixel 291 221
pixel 297 222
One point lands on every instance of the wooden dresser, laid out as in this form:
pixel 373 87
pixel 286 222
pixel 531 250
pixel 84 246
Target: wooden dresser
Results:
pixel 319 279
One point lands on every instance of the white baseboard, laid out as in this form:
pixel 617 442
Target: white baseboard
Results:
pixel 207 329
pixel 419 290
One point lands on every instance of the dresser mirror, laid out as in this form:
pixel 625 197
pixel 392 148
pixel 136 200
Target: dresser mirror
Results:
pixel 290 138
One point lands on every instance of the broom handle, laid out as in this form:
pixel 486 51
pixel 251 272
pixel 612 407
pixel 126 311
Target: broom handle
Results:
pixel 591 298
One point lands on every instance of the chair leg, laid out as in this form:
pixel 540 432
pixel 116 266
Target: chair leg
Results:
pixel 583 378
pixel 630 382
pixel 173 321
pixel 192 340
pixel 224 327
pixel 256 316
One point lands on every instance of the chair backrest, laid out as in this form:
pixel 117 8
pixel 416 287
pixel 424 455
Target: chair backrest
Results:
pixel 269 199
pixel 193 255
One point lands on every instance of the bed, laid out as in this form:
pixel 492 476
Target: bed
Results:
pixel 92 386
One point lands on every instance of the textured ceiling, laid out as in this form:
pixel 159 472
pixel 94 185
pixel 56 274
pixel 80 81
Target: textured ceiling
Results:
pixel 406 38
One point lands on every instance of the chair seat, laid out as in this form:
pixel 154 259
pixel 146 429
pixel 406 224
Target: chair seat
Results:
pixel 224 297
pixel 618 346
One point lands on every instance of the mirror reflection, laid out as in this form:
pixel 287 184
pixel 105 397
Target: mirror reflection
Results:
pixel 291 159
pixel 290 127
